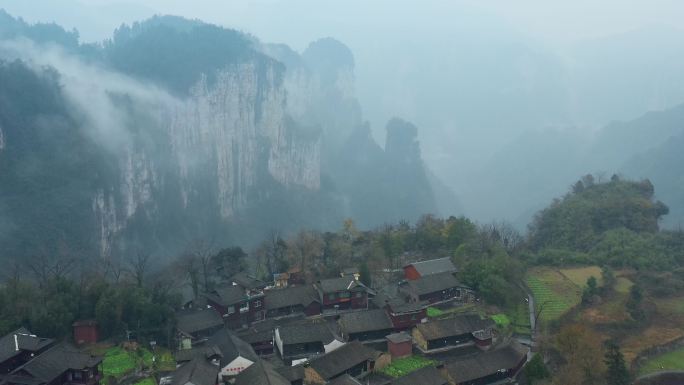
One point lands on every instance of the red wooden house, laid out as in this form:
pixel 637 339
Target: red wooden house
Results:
pixel 238 306
pixel 417 270
pixel 342 293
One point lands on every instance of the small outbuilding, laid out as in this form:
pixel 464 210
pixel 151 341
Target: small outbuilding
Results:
pixel 399 345
pixel 85 332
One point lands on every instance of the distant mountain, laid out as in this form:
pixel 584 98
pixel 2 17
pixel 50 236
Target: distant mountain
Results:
pixel 663 165
pixel 527 174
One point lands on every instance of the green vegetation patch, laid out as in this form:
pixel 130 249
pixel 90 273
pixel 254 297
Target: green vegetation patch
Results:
pixel 165 362
pixel 553 294
pixel 404 366
pixel 146 381
pixel 520 319
pixel 669 361
pixel 502 320
pixel 117 362
pixel 434 312
pixel 623 284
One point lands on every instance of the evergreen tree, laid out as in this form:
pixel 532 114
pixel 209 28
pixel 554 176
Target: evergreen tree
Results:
pixel 617 373
pixel 365 275
pixel 536 369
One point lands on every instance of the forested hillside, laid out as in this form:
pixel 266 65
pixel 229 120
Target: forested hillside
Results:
pixel 614 223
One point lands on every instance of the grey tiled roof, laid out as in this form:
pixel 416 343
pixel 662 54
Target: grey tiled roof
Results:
pixel 291 296
pixel 481 365
pixel 453 326
pixel 196 372
pixel 344 379
pixel 432 283
pixel 332 285
pixel 25 341
pixel 339 360
pixel 364 321
pixel 305 332
pixel 192 321
pixel 434 266
pixel 227 295
pixel 261 373
pixel 53 362
pixel 231 347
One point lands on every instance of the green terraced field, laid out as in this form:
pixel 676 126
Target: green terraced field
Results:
pixel 553 293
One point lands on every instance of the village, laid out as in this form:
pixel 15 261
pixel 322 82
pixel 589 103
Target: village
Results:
pixel 286 332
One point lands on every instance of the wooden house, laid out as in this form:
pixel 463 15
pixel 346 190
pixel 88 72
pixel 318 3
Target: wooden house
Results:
pixel 343 293
pixel 61 364
pixel 199 371
pixel 354 359
pixel 18 347
pixel 304 340
pixel 260 337
pixel 290 301
pixel 261 373
pixel 367 325
pixel 234 354
pixel 497 365
pixel 435 288
pixel 403 313
pixel 237 305
pixel 452 332
pixel 416 270
pixel 196 325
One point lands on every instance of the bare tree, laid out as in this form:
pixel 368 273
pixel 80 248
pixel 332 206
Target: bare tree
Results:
pixel 138 265
pixel 46 268
pixel 201 251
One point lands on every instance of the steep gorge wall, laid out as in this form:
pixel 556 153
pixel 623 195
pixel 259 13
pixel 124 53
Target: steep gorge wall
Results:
pixel 223 146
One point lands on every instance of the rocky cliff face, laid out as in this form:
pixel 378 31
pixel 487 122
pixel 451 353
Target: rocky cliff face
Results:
pixel 221 146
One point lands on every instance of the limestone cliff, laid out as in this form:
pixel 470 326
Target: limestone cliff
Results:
pixel 221 146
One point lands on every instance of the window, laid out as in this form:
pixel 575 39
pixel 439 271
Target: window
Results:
pixel 231 309
pixel 345 294
pixel 359 294
pixel 413 317
pixel 256 303
pixel 78 375
pixel 244 307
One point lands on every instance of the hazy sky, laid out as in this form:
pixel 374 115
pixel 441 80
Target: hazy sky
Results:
pixel 299 21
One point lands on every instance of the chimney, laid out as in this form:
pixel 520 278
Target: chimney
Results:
pixel 16 343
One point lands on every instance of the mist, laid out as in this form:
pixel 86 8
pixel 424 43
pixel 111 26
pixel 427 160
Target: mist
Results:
pixel 91 91
pixel 474 77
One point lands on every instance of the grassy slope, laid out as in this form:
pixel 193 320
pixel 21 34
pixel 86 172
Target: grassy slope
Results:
pixel 669 361
pixel 580 275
